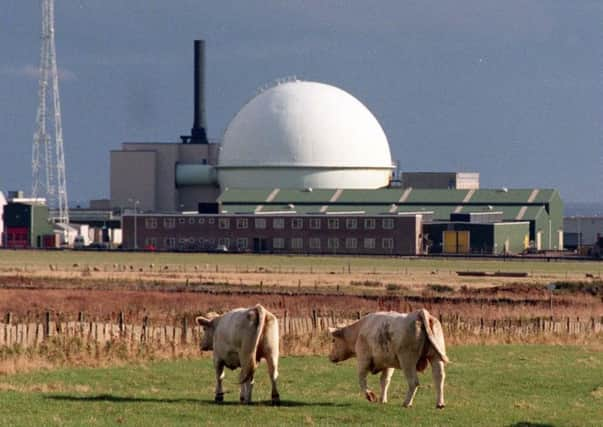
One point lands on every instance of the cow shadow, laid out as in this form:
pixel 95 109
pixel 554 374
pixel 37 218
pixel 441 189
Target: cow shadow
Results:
pixel 125 399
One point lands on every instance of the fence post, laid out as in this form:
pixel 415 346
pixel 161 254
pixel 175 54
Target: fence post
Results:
pixel 285 322
pixel 9 318
pixel 47 317
pixel 121 323
pixel 145 322
pixel 314 319
pixel 184 330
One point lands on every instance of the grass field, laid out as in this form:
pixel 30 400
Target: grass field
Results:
pixel 41 259
pixel 486 386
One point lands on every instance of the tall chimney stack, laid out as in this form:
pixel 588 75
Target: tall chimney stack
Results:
pixel 198 131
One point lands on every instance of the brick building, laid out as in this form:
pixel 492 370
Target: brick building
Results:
pixel 276 233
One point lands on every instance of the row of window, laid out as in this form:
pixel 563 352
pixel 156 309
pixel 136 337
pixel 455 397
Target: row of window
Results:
pixel 242 243
pixel 277 223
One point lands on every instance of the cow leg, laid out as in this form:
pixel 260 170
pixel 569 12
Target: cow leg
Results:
pixel 410 372
pixel 272 363
pixel 437 370
pixel 246 390
pixel 363 370
pixel 219 366
pixel 386 377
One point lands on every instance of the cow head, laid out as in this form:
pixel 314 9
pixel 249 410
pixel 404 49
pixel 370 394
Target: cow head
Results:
pixel 341 350
pixel 209 326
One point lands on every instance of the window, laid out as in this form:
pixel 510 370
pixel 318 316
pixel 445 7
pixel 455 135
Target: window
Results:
pixel 315 223
pixel 181 221
pixel 182 240
pixel 224 241
pixel 387 243
pixel 333 243
pixel 278 223
pixel 278 243
pixel 170 242
pixel 224 223
pixel 150 241
pixel 369 223
pixel 242 223
pixel 369 243
pixel 333 223
pixel 351 223
pixel 297 223
pixel 260 223
pixel 169 222
pixel 191 221
pixel 150 223
pixel 201 220
pixel 211 220
pixel 242 243
pixel 351 243
pixel 388 223
pixel 297 243
pixel 314 243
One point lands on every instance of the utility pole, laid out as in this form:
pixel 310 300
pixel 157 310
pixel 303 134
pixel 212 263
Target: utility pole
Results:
pixel 48 160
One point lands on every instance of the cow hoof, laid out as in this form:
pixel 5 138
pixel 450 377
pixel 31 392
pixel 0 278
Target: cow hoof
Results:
pixel 370 396
pixel 219 398
pixel 276 402
pixel 440 406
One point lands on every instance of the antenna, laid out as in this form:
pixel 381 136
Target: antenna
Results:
pixel 48 159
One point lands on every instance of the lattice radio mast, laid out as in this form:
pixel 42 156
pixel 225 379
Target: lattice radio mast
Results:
pixel 48 160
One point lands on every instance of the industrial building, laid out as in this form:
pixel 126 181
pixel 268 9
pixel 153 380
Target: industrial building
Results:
pixel 304 153
pixel 582 232
pixel 26 224
pixel 277 233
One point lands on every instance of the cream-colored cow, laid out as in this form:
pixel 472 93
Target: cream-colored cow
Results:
pixel 386 340
pixel 241 338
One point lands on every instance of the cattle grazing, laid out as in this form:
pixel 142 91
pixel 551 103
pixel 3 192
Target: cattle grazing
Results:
pixel 241 338
pixel 386 340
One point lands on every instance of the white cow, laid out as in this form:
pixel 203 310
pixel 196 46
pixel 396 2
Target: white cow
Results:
pixel 386 340
pixel 241 338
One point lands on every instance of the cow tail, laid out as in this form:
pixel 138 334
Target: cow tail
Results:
pixel 248 369
pixel 435 335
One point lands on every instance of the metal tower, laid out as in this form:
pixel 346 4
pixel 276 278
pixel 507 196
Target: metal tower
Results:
pixel 48 160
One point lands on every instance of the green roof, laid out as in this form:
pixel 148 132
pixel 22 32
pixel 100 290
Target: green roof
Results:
pixel 442 202
pixel 436 196
pixel 385 196
pixel 303 196
pixel 389 196
pixel 244 195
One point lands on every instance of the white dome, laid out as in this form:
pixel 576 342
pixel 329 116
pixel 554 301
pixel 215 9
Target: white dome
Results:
pixel 304 134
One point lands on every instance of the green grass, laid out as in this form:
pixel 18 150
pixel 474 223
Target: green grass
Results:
pixel 486 386
pixel 32 259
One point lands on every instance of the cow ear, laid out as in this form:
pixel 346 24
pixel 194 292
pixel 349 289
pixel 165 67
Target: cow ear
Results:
pixel 202 321
pixel 336 332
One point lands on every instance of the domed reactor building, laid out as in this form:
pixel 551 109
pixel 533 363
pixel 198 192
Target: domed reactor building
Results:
pixel 305 167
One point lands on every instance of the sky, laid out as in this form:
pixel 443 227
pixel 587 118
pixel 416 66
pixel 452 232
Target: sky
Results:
pixel 511 89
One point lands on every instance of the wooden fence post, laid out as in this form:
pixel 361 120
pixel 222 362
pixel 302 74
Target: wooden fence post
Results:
pixel 145 324
pixel 47 318
pixel 121 324
pixel 184 330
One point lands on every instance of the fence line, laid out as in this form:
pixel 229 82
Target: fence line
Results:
pixel 182 333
